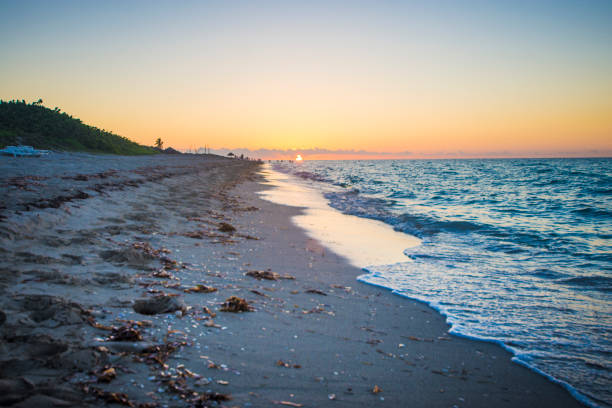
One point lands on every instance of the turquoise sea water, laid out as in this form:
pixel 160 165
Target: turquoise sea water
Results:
pixel 517 251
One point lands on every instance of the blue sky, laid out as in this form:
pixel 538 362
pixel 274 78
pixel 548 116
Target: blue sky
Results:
pixel 389 76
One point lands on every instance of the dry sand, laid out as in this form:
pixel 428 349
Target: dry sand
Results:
pixel 83 237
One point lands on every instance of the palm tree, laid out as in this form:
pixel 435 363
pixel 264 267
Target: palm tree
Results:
pixel 159 144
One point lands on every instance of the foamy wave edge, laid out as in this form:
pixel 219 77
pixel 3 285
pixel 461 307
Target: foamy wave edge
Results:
pixel 583 399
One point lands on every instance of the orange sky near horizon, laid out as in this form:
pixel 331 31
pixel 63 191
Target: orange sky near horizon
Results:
pixel 456 80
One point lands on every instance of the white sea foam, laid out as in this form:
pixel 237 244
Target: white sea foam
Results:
pixel 361 241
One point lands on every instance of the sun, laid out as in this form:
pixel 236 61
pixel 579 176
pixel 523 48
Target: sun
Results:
pixel 298 158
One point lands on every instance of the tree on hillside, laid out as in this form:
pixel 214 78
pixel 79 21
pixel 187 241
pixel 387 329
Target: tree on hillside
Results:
pixel 230 154
pixel 35 125
pixel 159 143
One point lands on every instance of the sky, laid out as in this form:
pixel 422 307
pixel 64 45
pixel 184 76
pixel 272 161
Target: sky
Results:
pixel 338 79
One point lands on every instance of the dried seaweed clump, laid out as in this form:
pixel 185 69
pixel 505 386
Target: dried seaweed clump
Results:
pixel 194 234
pixel 106 374
pixel 316 292
pixel 235 304
pixel 124 333
pixel 267 275
pixel 199 288
pixel 118 398
pixel 158 354
pixel 225 227
pixel 146 248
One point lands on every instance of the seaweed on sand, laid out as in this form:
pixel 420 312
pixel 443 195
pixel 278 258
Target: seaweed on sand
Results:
pixel 235 304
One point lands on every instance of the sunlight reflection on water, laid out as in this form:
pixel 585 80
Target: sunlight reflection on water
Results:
pixel 361 241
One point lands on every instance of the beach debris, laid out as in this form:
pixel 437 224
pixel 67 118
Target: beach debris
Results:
pixel 175 285
pixel 247 236
pixel 332 396
pixel 200 288
pixel 107 374
pixel 319 309
pixel 235 304
pixel 316 292
pixel 194 234
pixel 163 274
pixel 255 291
pixel 92 322
pixel 169 263
pixel 115 397
pixel 124 333
pixel 206 233
pixel 139 323
pixel 149 250
pixel 288 403
pixel 414 338
pixel 212 396
pixel 225 227
pixel 209 312
pixel 347 289
pixel 177 383
pixel 213 365
pixel 158 304
pixel 249 208
pixel 384 353
pixel 158 354
pixel 282 363
pixel 376 389
pixel 267 275
pixel 211 323
pixel 371 330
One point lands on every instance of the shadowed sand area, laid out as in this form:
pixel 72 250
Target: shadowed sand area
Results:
pixel 89 244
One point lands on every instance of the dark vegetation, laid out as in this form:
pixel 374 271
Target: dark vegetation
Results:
pixel 44 128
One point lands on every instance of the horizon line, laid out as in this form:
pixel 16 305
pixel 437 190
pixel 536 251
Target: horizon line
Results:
pixel 340 154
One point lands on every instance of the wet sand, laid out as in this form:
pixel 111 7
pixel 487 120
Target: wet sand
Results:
pixel 85 240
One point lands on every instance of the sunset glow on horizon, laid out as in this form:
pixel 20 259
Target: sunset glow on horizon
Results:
pixel 407 79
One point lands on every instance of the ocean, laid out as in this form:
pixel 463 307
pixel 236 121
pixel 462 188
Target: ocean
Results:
pixel 514 251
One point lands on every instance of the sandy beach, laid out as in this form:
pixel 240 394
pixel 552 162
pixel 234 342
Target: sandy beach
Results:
pixel 117 276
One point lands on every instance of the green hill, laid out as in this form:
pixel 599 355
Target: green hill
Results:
pixel 44 128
